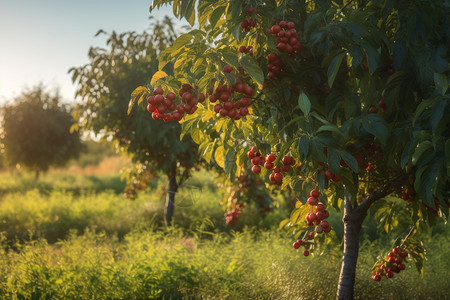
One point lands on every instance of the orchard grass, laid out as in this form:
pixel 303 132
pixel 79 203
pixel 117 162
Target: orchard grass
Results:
pixel 61 244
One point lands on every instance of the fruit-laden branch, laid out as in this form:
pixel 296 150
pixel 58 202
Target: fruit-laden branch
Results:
pixel 387 189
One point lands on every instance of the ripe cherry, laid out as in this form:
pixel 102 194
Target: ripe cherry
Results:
pixel 382 104
pixel 227 69
pixel 158 91
pixel 389 274
pixel 296 245
pixel 305 253
pixel 312 201
pixel 171 96
pixel 328 174
pixel 256 169
pixel 320 207
pixel 278 176
pixel 275 29
pixel 268 165
pixel 314 193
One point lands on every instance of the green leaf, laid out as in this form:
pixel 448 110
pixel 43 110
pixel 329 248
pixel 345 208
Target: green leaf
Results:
pixel 230 164
pixel 437 112
pixel 420 150
pixel 215 16
pixel 137 96
pixel 219 157
pixel 376 125
pixel 373 57
pixel 330 128
pixel 333 161
pixel 317 150
pixel 350 160
pixel 231 58
pixel 283 223
pixel 303 103
pixel 303 147
pixel 441 83
pixel 333 68
pixel 157 76
pixel 252 68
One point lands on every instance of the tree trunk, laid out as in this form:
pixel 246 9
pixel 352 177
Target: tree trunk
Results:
pixel 170 199
pixel 352 228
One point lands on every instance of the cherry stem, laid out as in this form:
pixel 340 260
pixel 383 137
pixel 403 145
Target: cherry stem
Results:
pixel 410 233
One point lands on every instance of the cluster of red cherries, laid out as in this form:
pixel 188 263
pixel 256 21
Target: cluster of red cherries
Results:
pixel 248 49
pixel 274 66
pixel 394 264
pixel 247 24
pixel 234 100
pixel 287 37
pixel 318 213
pixel 259 160
pixel 167 107
pixel 316 216
pixel 232 216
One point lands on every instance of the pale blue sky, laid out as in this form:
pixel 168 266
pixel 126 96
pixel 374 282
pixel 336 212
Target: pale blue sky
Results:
pixel 41 40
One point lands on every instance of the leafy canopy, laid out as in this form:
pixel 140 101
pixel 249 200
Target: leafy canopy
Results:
pixel 36 131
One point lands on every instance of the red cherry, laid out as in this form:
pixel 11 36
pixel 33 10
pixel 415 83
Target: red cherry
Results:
pixel 151 100
pixel 255 150
pixel 314 193
pixel 243 111
pixel 158 91
pixel 324 224
pixel 403 254
pixel 290 25
pixel 312 201
pixel 248 90
pixel 401 267
pixel 256 169
pixel 278 176
pixel 255 160
pixel 159 98
pixel 268 165
pixel 389 274
pixel 382 104
pixel 162 108
pixel 281 46
pixel 396 250
pixel 272 177
pixel 151 108
pixel 311 217
pixel 327 229
pixel 305 253
pixel 171 96
pixel 296 245
pixel 223 112
pixel 250 154
pixel 328 174
pixel 242 49
pixel 271 157
pixel 319 229
pixel 283 24
pixel 373 110
pixel 167 118
pixel 391 260
pixel 275 29
pixel 177 116
pixel 285 168
pixel 327 214
pixel 320 207
pixel 227 69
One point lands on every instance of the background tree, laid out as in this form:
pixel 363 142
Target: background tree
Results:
pixel 356 91
pixel 36 131
pixel 105 85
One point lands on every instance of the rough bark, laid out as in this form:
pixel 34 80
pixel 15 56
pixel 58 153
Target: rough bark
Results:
pixel 170 199
pixel 354 216
pixel 352 227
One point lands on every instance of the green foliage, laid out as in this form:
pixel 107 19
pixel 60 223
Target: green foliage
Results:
pixel 105 85
pixel 366 99
pixel 158 264
pixel 36 131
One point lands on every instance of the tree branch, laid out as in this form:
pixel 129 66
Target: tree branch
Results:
pixel 387 189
